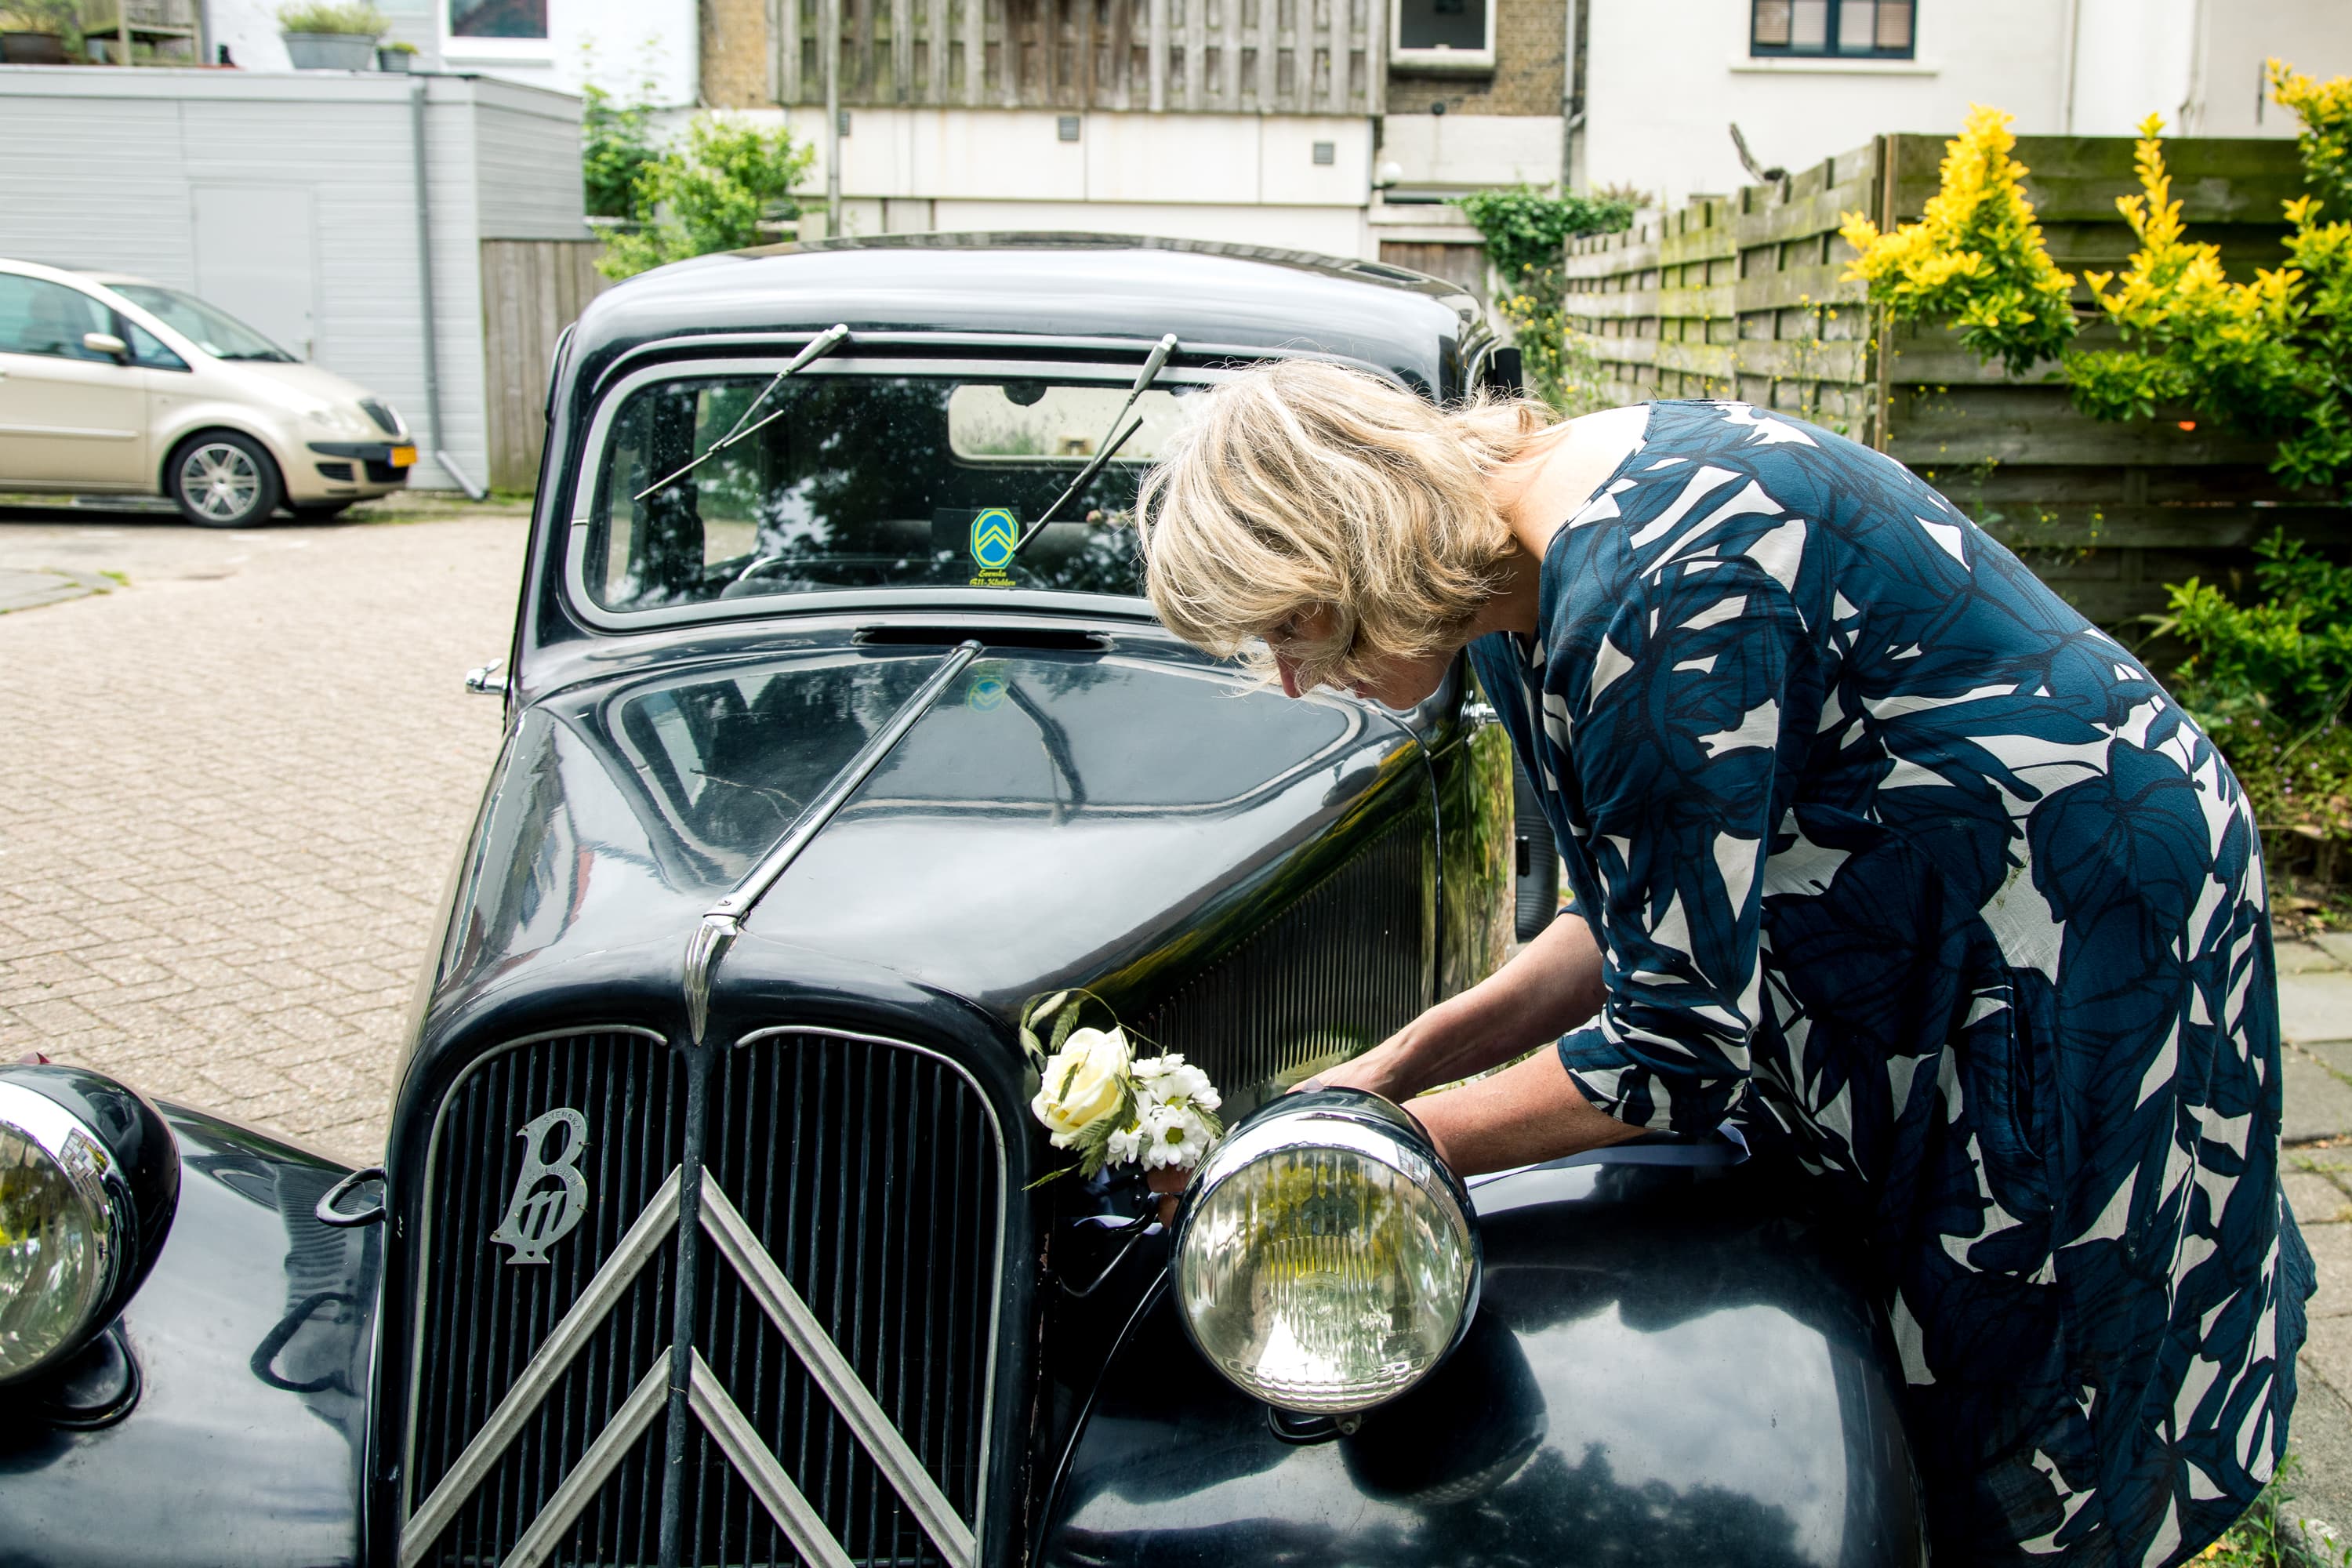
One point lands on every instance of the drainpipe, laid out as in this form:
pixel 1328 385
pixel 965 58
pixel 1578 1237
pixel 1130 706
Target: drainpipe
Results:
pixel 2071 53
pixel 1571 98
pixel 424 293
pixel 829 36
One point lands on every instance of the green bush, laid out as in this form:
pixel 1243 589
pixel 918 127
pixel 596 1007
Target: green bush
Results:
pixel 1976 258
pixel 616 148
pixel 2287 657
pixel 1525 230
pixel 350 16
pixel 708 195
pixel 2270 680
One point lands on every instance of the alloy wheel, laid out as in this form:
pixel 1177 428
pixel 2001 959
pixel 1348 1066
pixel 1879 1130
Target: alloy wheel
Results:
pixel 220 480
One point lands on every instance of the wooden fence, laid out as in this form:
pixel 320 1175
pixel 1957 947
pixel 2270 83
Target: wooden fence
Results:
pixel 1743 297
pixel 532 290
pixel 1264 57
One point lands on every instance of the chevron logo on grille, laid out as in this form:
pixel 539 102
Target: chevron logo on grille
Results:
pixel 707 1398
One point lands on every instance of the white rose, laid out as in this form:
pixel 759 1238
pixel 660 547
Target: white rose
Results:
pixel 1084 1083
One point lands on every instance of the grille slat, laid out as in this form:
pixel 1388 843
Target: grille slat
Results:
pixel 1342 968
pixel 873 1174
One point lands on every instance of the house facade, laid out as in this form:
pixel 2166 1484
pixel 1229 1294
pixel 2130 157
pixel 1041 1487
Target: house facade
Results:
pixel 1662 80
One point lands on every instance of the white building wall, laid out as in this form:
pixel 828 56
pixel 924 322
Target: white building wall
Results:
pixel 129 169
pixel 618 44
pixel 1248 178
pixel 2201 64
pixel 1666 78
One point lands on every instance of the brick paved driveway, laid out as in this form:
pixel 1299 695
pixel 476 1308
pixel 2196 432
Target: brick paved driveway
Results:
pixel 230 792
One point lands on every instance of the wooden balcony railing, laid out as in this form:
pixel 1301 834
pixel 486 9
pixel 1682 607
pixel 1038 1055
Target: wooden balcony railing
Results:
pixel 1245 57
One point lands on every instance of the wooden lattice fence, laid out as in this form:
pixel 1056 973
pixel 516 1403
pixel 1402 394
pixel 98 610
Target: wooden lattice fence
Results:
pixel 1236 56
pixel 1743 297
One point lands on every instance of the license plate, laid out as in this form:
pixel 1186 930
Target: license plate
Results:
pixel 404 456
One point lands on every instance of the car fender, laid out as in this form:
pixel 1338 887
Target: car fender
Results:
pixel 213 411
pixel 1662 1370
pixel 250 1344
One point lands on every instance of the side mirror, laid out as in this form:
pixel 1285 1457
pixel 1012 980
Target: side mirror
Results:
pixel 107 343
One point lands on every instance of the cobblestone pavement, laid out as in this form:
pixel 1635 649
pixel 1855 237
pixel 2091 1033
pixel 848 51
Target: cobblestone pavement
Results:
pixel 230 791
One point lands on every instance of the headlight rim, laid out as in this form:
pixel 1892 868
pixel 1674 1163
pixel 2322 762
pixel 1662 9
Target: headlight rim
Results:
pixel 1364 1112
pixel 132 1189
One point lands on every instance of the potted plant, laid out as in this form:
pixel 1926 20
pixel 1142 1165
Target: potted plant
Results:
pixel 398 58
pixel 32 32
pixel 332 35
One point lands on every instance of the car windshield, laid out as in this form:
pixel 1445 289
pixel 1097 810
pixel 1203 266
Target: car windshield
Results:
pixel 839 478
pixel 209 327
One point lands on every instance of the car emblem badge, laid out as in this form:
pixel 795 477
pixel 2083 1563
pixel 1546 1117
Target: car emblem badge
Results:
pixel 539 1216
pixel 995 533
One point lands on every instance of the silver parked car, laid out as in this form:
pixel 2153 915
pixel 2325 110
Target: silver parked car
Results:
pixel 113 385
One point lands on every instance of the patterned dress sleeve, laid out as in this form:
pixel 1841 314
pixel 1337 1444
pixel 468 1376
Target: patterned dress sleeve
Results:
pixel 1686 723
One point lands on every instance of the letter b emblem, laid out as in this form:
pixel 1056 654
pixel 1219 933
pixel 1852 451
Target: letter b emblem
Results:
pixel 540 1214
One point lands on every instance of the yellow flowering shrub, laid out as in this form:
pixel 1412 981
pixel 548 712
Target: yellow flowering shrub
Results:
pixel 1976 258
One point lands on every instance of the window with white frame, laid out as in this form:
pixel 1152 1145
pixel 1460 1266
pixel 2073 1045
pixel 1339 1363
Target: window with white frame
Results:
pixel 1847 29
pixel 1441 34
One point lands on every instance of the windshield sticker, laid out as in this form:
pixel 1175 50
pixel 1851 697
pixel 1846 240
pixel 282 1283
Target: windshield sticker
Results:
pixel 986 693
pixel 994 533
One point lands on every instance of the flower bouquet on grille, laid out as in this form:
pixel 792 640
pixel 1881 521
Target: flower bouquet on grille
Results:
pixel 1110 1107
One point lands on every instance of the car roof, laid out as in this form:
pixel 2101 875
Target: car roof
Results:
pixel 1088 287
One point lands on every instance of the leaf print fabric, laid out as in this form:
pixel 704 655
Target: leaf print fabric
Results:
pixel 1898 862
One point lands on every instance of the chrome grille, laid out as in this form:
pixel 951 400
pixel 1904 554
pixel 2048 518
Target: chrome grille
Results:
pixel 481 1319
pixel 873 1178
pixel 1345 966
pixel 869 1176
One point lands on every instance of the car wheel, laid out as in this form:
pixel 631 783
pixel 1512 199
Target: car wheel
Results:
pixel 318 510
pixel 1538 863
pixel 222 479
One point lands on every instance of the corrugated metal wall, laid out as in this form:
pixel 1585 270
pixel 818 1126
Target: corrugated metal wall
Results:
pixel 108 169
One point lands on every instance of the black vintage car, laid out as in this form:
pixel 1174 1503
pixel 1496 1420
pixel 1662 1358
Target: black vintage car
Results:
pixel 710 1229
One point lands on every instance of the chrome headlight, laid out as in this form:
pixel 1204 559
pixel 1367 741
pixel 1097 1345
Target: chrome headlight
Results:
pixel 88 1178
pixel 1325 1261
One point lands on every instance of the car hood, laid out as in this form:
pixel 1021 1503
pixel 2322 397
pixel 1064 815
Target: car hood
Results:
pixel 1051 818
pixel 298 387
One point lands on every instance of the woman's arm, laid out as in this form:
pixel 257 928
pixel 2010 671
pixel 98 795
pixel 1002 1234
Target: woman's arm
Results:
pixel 1550 988
pixel 1530 1113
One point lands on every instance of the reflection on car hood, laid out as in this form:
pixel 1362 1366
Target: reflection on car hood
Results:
pixel 1052 817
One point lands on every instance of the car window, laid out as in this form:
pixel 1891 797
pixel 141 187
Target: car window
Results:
pixel 208 327
pixel 847 480
pixel 147 349
pixel 39 316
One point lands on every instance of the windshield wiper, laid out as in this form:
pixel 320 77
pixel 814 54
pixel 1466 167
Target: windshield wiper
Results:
pixel 1113 439
pixel 824 343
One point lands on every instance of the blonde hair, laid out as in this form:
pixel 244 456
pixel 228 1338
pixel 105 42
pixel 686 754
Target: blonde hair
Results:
pixel 1305 485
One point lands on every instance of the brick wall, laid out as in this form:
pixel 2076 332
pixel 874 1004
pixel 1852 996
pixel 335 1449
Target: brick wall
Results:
pixel 1530 36
pixel 735 53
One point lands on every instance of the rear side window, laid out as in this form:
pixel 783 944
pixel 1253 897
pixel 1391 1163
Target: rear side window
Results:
pixel 39 316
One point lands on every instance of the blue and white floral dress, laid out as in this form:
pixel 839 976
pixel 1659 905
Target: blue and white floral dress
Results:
pixel 1896 861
